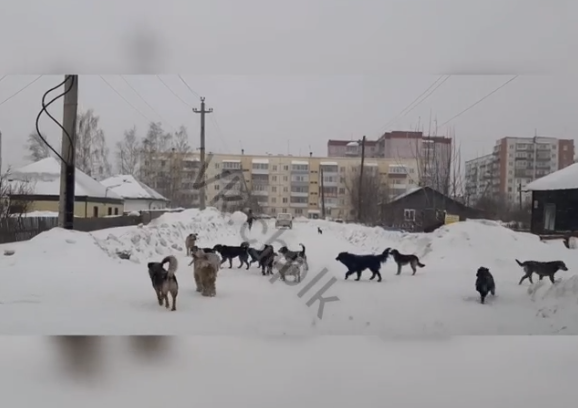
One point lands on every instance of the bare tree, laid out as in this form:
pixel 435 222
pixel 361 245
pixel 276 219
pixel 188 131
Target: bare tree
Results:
pixel 373 193
pixel 180 148
pixel 128 152
pixel 150 168
pixel 91 149
pixel 37 149
pixel 14 201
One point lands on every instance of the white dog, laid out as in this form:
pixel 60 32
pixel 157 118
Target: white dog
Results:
pixel 288 268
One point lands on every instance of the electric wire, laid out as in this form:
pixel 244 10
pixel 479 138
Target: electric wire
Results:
pixel 413 103
pixel 20 90
pixel 44 110
pixel 173 92
pixel 126 100
pixel 187 85
pixel 479 101
pixel 3 76
pixel 143 99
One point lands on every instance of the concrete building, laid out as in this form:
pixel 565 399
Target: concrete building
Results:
pixel 478 178
pixel 432 154
pixel 517 161
pixel 293 184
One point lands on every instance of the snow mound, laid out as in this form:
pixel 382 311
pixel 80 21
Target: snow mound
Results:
pixel 166 234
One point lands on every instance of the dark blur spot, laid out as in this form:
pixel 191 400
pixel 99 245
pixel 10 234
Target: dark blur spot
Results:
pixel 80 355
pixel 150 347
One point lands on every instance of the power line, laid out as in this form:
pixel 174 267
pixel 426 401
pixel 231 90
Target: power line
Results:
pixel 151 108
pixel 3 76
pixel 20 90
pixel 413 103
pixel 187 85
pixel 173 92
pixel 479 101
pixel 126 100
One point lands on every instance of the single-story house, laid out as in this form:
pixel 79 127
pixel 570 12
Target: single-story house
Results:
pixel 137 196
pixel 42 186
pixel 554 202
pixel 423 209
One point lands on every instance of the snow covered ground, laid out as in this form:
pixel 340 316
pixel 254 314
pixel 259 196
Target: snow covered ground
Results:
pixel 68 282
pixel 289 372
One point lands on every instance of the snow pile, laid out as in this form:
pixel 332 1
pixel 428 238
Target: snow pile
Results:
pixel 166 234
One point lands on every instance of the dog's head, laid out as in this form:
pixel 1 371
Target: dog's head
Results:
pixel 561 265
pixel 342 256
pixel 218 248
pixel 482 271
pixel 393 252
pixel 198 253
pixel 283 250
pixel 244 244
pixel 193 236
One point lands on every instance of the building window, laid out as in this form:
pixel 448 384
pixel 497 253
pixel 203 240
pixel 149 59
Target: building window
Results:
pixel 274 178
pixel 286 168
pixel 95 211
pixel 109 210
pixel 285 189
pixel 116 211
pixel 274 189
pixel 217 187
pixel 298 211
pixel 274 168
pixel 273 200
pixel 284 201
pixel 409 215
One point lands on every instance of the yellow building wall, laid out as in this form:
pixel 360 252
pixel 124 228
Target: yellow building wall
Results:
pixel 81 209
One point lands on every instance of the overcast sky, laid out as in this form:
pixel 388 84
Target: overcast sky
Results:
pixel 287 76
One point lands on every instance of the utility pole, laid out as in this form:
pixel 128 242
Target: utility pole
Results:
pixel 67 176
pixel 360 194
pixel 520 195
pixel 0 152
pixel 322 193
pixel 203 191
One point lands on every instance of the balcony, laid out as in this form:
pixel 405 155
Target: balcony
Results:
pixel 260 166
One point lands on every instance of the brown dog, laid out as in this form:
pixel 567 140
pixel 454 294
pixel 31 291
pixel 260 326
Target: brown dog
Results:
pixel 190 243
pixel 164 280
pixel 206 266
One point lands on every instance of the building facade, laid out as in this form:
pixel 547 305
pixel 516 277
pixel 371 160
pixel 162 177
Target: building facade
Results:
pixel 302 186
pixel 433 155
pixel 514 163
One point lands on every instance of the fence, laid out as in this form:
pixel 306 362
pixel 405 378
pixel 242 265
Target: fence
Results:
pixel 25 228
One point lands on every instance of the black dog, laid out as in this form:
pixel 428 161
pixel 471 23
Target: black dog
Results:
pixel 548 269
pixel 205 250
pixel 164 281
pixel 359 263
pixel 230 252
pixel 264 257
pixel 319 231
pixel 402 260
pixel 485 283
pixel 292 256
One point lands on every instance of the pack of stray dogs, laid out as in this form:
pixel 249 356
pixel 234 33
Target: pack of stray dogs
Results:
pixel 485 283
pixel 206 264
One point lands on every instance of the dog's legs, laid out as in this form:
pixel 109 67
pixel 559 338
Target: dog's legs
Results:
pixel 166 296
pixel 551 276
pixel 348 274
pixel 358 275
pixel 376 273
pixel 230 263
pixel 524 278
pixel 174 296
pixel 160 298
pixel 482 298
pixel 413 267
pixel 398 269
pixel 373 275
pixel 493 291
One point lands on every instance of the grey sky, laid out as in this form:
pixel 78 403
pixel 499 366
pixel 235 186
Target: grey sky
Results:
pixel 303 71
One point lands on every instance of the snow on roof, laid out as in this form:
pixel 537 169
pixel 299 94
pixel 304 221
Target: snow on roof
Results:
pixel 329 164
pixel 398 165
pixel 44 178
pixel 231 161
pixel 261 161
pixel 565 179
pixel 408 192
pixel 192 159
pixel 128 187
pixel 351 144
pixel 371 164
pixel 303 163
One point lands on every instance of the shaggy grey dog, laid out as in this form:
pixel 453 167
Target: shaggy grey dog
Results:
pixel 206 267
pixel 190 243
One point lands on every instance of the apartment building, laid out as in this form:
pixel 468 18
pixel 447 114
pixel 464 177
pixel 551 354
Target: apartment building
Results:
pixel 515 162
pixel 432 154
pixel 294 184
pixel 478 178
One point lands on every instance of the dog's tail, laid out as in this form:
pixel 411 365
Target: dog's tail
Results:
pixel 303 251
pixel 420 264
pixel 173 264
pixel 520 263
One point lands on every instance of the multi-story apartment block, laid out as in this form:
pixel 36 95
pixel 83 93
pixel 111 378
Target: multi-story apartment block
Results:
pixel 294 184
pixel 515 162
pixel 432 154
